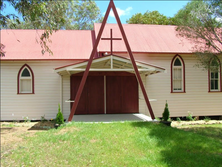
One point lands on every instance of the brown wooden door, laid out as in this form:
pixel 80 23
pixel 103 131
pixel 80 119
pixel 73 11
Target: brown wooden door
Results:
pixel 130 94
pixel 82 106
pixel 95 85
pixel 121 94
pixel 92 98
pixel 113 94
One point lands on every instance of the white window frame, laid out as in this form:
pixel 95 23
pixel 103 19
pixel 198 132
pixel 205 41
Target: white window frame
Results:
pixel 27 78
pixel 180 79
pixel 218 79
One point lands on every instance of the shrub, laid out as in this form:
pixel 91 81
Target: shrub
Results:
pixel 59 117
pixel 43 119
pixel 178 119
pixel 166 113
pixel 207 119
pixel 189 117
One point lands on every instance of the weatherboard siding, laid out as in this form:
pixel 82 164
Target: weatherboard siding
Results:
pixel 45 100
pixel 196 98
pixel 66 95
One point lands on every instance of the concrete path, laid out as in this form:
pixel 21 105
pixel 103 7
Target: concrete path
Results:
pixel 111 118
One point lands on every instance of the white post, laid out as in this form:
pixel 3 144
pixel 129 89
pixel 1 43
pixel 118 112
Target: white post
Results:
pixel 61 93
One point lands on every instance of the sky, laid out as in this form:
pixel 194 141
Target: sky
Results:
pixel 127 9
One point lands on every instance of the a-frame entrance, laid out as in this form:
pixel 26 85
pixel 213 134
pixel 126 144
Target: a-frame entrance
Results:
pixel 83 80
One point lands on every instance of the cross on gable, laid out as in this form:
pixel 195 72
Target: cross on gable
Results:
pixel 111 41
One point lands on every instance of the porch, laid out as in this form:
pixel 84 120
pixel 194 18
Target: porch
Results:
pixel 111 118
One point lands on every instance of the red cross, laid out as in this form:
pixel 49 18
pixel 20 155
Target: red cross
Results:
pixel 111 40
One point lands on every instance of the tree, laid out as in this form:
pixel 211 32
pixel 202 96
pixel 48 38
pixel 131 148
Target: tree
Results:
pixel 153 17
pixel 50 15
pixel 201 22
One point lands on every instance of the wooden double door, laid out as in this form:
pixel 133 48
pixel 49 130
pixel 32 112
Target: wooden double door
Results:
pixel 106 94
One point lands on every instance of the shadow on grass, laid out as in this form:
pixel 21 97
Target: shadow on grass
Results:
pixel 42 126
pixel 211 132
pixel 181 148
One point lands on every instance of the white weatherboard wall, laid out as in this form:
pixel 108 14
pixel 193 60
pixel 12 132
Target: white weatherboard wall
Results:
pixel 196 99
pixel 45 100
pixel 66 96
pixel 47 82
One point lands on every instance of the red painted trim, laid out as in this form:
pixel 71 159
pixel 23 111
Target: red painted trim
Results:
pixel 220 81
pixel 71 64
pixel 172 91
pixel 43 59
pixel 18 79
pixel 137 52
pixel 132 60
pixel 83 81
pixel 104 73
pixel 93 42
pixel 79 92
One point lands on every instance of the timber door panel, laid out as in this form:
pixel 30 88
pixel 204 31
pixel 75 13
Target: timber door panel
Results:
pixel 95 85
pixel 129 94
pixel 82 106
pixel 92 98
pixel 113 94
pixel 121 95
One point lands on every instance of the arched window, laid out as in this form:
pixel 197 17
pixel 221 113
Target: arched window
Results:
pixel 215 75
pixel 25 80
pixel 177 74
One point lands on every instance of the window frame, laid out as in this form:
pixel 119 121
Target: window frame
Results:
pixel 219 77
pixel 183 74
pixel 19 78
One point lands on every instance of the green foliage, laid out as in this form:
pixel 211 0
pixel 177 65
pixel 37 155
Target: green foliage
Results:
pixel 207 119
pixel 26 119
pixel 49 16
pixel 201 22
pixel 178 119
pixel 166 113
pixel 189 117
pixel 59 117
pixel 43 118
pixel 153 17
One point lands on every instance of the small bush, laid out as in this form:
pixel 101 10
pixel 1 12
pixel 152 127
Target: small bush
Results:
pixel 26 119
pixel 178 119
pixel 59 117
pixel 43 119
pixel 207 119
pixel 166 113
pixel 189 117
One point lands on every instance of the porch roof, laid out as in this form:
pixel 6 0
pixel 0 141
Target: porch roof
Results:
pixel 110 63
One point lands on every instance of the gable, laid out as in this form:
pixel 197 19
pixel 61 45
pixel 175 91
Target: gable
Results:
pixel 146 39
pixel 110 63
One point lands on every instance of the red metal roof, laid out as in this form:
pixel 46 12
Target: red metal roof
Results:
pixel 66 44
pixel 77 44
pixel 145 38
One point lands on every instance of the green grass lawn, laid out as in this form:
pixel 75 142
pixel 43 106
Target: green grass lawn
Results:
pixel 119 144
